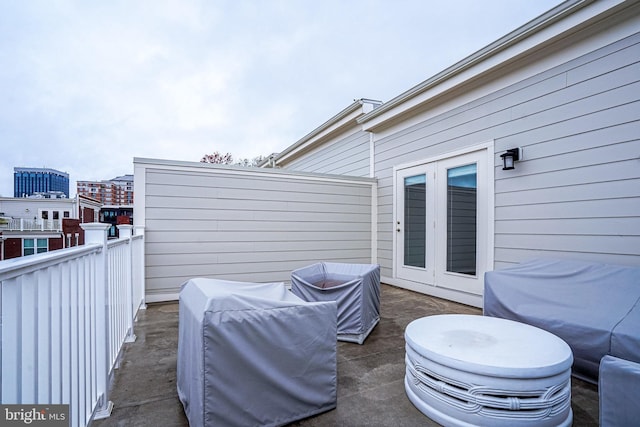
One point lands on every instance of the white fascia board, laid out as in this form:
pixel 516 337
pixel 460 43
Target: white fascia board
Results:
pixel 322 133
pixel 86 201
pixel 142 164
pixel 561 21
pixel 139 201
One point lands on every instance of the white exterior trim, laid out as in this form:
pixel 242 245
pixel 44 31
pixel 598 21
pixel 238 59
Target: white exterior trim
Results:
pixel 374 201
pixel 327 130
pixel 161 297
pixel 140 185
pixel 374 223
pixel 560 22
pixel 372 155
pixel 488 145
pixel 244 171
pixel 438 292
pixel 489 182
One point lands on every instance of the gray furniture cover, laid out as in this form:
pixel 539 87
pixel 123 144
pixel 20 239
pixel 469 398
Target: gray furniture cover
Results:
pixel 253 354
pixel 355 288
pixel 619 392
pixel 594 307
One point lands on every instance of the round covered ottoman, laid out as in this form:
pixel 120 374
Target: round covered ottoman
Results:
pixel 464 370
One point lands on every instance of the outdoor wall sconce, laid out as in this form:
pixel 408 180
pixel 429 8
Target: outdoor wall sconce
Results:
pixel 509 158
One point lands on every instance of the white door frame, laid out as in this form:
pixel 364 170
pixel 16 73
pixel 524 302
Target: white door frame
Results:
pixel 424 274
pixel 485 246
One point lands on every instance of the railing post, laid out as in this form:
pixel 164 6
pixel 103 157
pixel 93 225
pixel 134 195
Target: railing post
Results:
pixel 96 233
pixel 139 231
pixel 125 231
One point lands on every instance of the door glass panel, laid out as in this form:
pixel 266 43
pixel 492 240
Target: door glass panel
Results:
pixel 415 221
pixel 462 212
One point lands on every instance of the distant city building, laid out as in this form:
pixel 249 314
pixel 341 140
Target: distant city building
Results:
pixel 29 181
pixel 116 215
pixel 115 192
pixel 31 225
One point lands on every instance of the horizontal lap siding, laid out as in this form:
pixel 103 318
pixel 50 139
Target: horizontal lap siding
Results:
pixel 348 156
pixel 577 192
pixel 249 227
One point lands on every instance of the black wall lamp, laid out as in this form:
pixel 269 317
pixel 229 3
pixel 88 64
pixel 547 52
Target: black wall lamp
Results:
pixel 509 158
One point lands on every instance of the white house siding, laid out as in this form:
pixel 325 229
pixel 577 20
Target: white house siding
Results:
pixel 248 225
pixel 27 208
pixel 349 155
pixel 577 192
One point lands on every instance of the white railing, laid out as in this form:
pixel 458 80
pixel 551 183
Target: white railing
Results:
pixel 22 224
pixel 64 316
pixel 125 294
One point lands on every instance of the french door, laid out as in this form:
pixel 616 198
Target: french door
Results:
pixel 441 222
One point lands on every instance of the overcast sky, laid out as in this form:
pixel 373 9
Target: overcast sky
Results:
pixel 86 86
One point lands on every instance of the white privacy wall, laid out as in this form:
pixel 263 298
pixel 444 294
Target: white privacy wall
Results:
pixel 245 224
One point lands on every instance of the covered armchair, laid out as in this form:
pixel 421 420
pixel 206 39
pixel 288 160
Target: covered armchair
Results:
pixel 355 288
pixel 254 354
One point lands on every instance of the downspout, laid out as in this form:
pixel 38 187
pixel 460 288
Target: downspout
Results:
pixel 374 200
pixel 372 156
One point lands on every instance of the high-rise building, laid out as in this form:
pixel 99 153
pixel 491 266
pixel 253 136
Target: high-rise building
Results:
pixel 114 192
pixel 28 181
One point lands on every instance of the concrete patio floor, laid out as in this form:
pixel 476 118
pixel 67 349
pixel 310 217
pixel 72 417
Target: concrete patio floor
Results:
pixel 370 376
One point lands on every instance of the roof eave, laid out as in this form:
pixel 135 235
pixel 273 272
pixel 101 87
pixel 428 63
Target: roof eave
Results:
pixel 340 121
pixel 401 103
